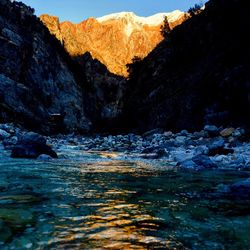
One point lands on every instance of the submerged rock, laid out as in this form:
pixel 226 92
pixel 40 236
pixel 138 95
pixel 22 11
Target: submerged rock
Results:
pixel 44 157
pixel 16 219
pixel 19 199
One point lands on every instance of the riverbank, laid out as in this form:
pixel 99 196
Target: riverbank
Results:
pixel 157 190
pixel 211 148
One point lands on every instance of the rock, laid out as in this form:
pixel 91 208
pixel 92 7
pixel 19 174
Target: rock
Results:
pixel 181 139
pixel 32 138
pixel 168 134
pixel 227 132
pixel 20 199
pixel 198 162
pixel 152 132
pixel 181 154
pixel 198 135
pixel 184 133
pixel 150 156
pixel 238 132
pixel 4 135
pixel 216 146
pixel 31 86
pixel 17 219
pixel 31 145
pixel 44 157
pixel 94 34
pixel 219 158
pixel 201 150
pixel 211 130
pixel 189 164
pixel 7 127
pixel 203 161
pixel 9 143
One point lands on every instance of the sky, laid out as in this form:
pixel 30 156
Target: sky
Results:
pixel 79 10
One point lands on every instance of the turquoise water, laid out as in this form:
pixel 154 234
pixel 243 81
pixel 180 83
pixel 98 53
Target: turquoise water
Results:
pixel 106 203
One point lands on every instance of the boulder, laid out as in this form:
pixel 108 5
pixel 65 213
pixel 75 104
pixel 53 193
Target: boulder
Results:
pixel 189 164
pixel 198 162
pixel 203 161
pixel 211 130
pixel 227 132
pixel 153 152
pixel 4 134
pixel 9 143
pixel 31 145
pixel 32 138
pixel 218 147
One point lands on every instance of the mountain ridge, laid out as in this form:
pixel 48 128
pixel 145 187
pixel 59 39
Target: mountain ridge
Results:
pixel 112 41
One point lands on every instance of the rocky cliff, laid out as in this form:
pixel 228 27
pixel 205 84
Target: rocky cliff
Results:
pixel 39 86
pixel 199 74
pixel 114 39
pixel 42 86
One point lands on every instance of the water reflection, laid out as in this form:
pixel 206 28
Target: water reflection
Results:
pixel 117 204
pixel 114 224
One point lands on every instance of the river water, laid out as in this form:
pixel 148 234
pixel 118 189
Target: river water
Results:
pixel 100 201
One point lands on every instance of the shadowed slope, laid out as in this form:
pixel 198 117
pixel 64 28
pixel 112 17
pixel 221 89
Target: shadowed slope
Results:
pixel 199 74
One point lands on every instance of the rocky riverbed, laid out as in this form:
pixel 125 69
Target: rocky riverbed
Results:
pixel 158 190
pixel 223 148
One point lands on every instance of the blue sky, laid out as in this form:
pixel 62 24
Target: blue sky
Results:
pixel 78 10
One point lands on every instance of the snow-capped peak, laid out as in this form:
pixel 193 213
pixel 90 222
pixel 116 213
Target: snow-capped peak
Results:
pixel 151 20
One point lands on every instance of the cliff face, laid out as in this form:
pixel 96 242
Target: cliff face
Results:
pixel 199 74
pixel 114 39
pixel 37 77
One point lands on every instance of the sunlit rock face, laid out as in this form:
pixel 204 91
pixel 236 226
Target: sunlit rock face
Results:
pixel 113 39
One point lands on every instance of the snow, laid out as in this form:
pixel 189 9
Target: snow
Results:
pixel 151 20
pixel 129 29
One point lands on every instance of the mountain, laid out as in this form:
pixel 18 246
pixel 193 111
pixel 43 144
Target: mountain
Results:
pixel 199 74
pixel 113 39
pixel 42 87
pixel 38 80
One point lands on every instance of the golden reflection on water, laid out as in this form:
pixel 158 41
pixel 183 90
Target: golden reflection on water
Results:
pixel 115 224
pixel 121 167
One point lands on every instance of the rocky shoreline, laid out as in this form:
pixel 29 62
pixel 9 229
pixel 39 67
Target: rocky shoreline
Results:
pixel 213 147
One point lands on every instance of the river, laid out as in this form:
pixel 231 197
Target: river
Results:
pixel 101 201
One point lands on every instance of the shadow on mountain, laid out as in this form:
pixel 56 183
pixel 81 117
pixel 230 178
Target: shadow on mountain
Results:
pixel 103 94
pixel 200 74
pixel 42 87
pixel 38 79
